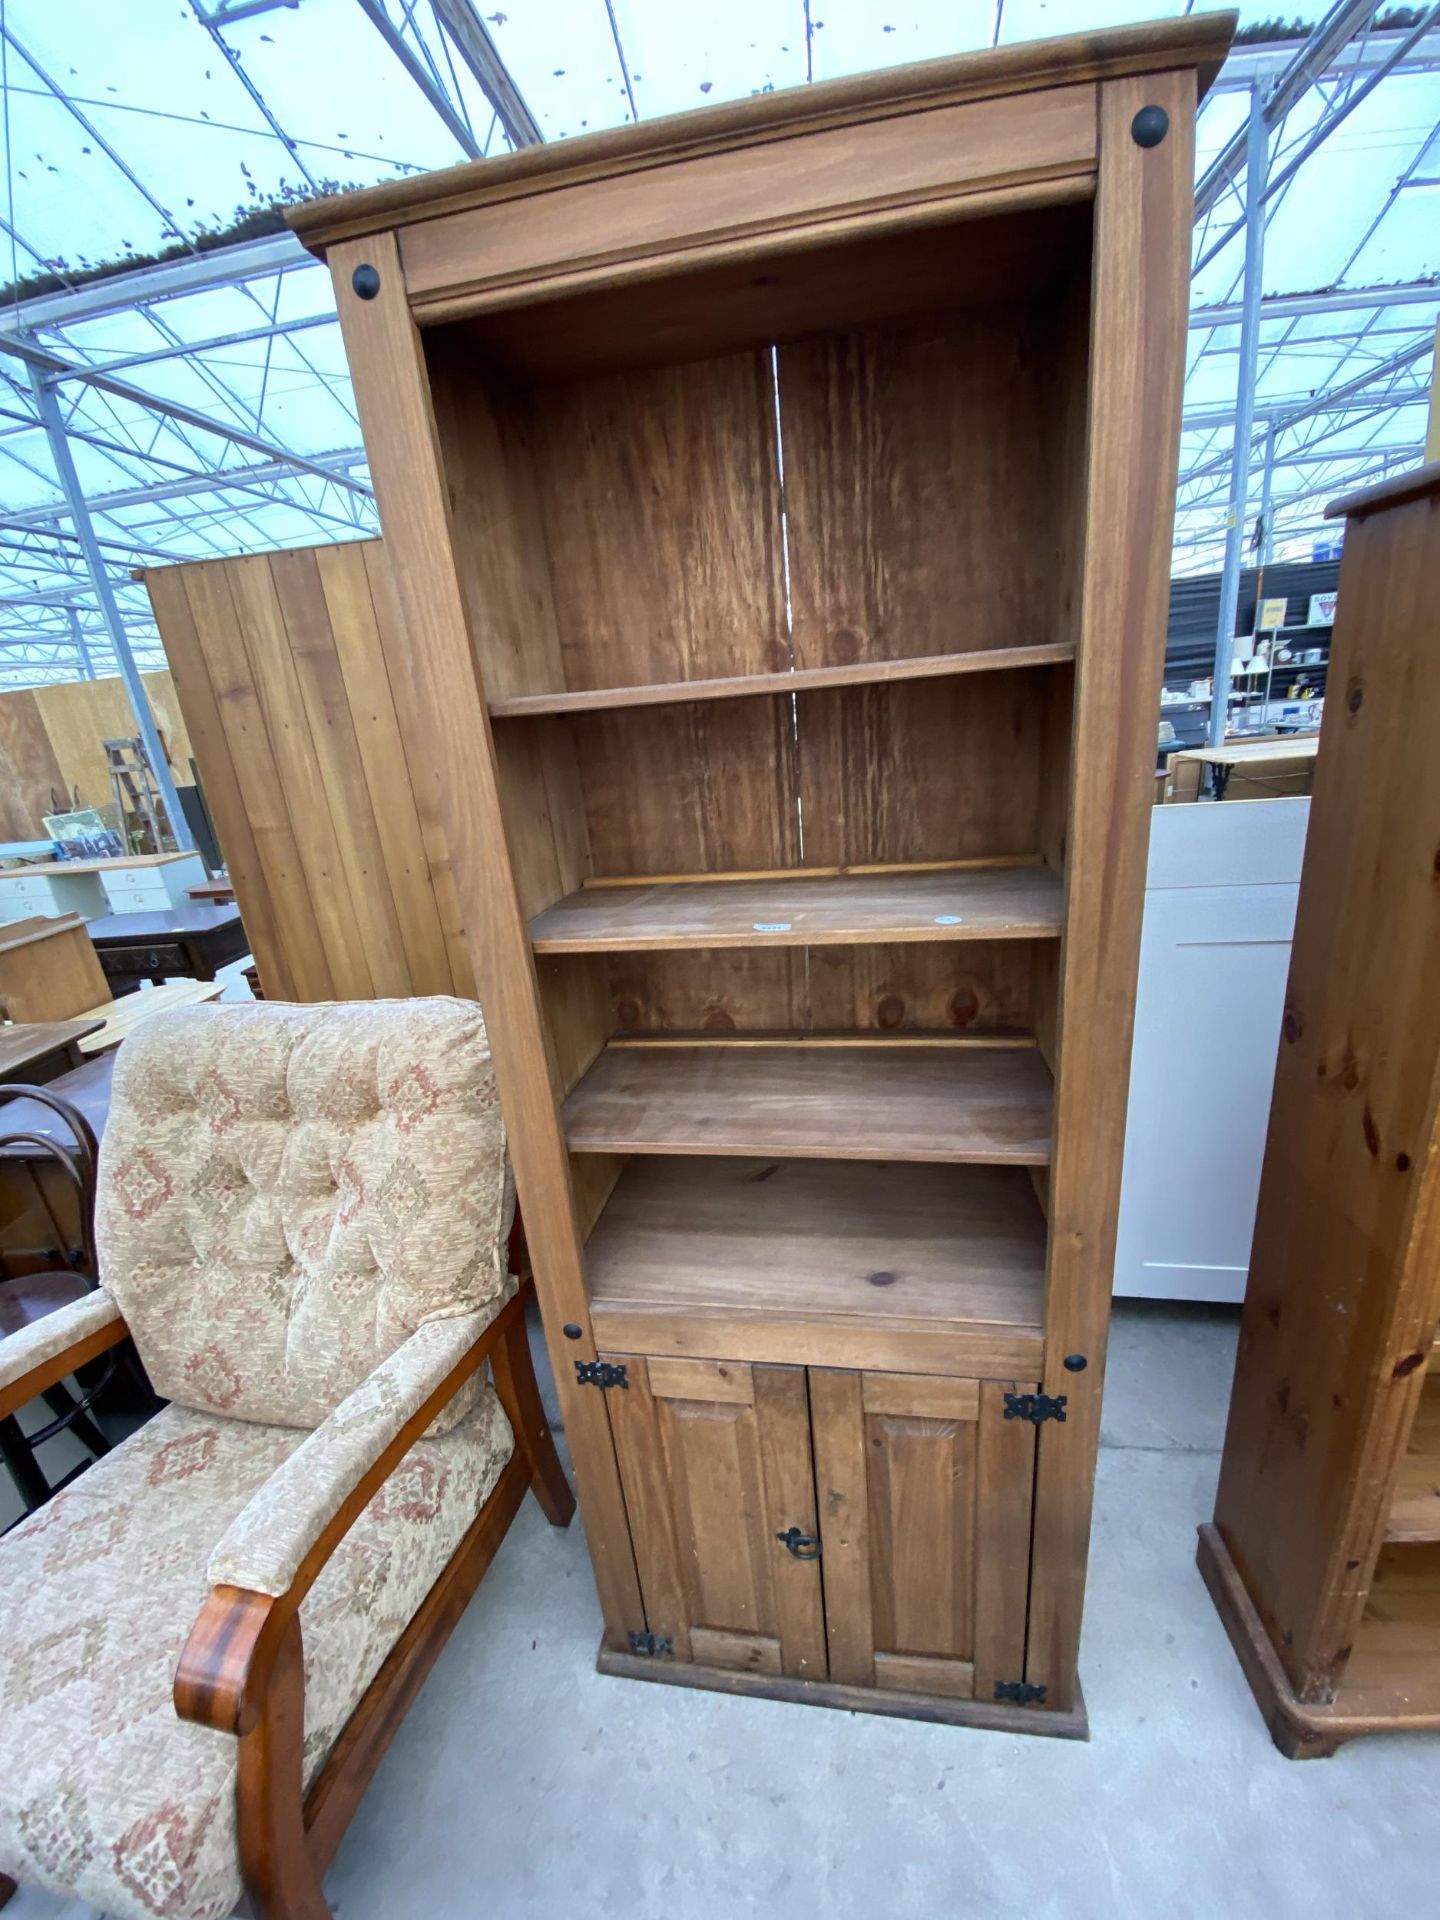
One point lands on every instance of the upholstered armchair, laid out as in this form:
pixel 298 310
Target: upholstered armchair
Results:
pixel 210 1636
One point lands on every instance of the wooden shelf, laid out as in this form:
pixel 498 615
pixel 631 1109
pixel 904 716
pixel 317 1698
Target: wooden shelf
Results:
pixel 1394 1668
pixel 984 1105
pixel 921 1268
pixel 859 673
pixel 799 910
pixel 1415 1508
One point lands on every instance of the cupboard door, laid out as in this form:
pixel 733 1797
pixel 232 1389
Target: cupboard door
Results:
pixel 925 1491
pixel 715 1462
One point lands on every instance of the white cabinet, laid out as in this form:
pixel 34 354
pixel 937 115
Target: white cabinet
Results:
pixel 97 887
pixel 1214 954
pixel 158 888
pixel 23 895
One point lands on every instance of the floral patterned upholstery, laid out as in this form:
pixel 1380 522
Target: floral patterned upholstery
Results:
pixel 286 1192
pixel 104 1793
pixel 302 1218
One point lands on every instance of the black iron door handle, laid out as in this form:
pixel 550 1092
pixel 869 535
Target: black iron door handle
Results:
pixel 804 1546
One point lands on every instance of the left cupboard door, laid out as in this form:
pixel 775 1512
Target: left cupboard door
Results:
pixel 715 1462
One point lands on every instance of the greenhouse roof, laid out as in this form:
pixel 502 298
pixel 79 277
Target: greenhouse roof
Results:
pixel 204 400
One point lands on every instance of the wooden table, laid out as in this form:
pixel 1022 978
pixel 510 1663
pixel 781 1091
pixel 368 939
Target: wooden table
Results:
pixel 117 1019
pixel 86 1087
pixel 1274 765
pixel 40 1050
pixel 48 969
pixel 215 893
pixel 192 941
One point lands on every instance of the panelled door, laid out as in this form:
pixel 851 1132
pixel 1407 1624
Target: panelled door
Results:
pixel 924 1491
pixel 715 1461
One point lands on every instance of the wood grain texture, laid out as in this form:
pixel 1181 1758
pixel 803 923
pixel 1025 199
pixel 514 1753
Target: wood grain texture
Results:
pixel 900 541
pixel 837 1436
pixel 1305 1730
pixel 937 989
pixel 287 674
pixel 853 1265
pixel 871 176
pixel 384 351
pixel 504 570
pixel 660 495
pixel 919 771
pixel 80 715
pixel 851 1103
pixel 745 686
pixel 782 1410
pixel 1415 1503
pixel 30 773
pixel 697 789
pixel 715 1461
pixel 928 1708
pixel 1344 1290
pixel 1020 903
pixel 1138 314
pixel 49 969
pixel 251 857
pixel 1004 1502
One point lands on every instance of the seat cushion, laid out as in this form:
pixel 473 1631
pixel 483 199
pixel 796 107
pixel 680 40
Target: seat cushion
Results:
pixel 104 1793
pixel 287 1192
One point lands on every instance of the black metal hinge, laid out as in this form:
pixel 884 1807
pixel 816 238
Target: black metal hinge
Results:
pixel 1022 1693
pixel 1034 1407
pixel 650 1643
pixel 600 1373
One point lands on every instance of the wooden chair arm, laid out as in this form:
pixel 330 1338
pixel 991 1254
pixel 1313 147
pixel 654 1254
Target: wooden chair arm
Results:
pixel 48 1373
pixel 225 1668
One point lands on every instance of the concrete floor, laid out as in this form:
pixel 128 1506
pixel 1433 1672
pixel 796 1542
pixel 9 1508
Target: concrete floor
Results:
pixel 523 1784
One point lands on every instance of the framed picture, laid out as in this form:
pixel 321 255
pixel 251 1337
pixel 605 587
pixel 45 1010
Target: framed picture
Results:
pixel 1322 610
pixel 1271 614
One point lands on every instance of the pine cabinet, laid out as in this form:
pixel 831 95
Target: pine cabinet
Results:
pixel 715 1462
pixel 778 500
pixel 869 1528
pixel 1324 1554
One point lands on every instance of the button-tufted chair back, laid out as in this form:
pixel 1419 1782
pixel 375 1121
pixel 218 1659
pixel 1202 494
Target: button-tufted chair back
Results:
pixel 287 1192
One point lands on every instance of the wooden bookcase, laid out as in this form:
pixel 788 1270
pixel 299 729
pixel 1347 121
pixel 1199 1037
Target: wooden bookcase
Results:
pixel 1324 1557
pixel 779 500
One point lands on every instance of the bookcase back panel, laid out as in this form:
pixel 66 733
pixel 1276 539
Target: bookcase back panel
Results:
pixel 660 494
pixel 701 788
pixel 501 557
pixel 918 484
pixel 977 986
pixel 1015 252
pixel 903 773
pixel 921 769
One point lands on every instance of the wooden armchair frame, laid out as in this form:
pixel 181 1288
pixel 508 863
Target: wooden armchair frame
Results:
pixel 242 1670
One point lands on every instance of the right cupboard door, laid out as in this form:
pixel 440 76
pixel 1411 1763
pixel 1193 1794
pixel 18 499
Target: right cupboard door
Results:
pixel 924 1494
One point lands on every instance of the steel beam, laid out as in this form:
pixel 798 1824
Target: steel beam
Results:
pixel 49 410
pixel 216 343
pixel 197 273
pixel 41 360
pixel 444 106
pixel 1257 151
pixel 1306 66
pixel 1333 117
pixel 475 47
pixel 1268 60
pixel 1330 401
pixel 87 665
pixel 1297 306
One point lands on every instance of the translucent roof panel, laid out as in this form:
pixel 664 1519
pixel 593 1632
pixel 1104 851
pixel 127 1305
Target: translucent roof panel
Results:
pixel 227 423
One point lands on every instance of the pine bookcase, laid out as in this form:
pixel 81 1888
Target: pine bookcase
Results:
pixel 1324 1555
pixel 778 499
